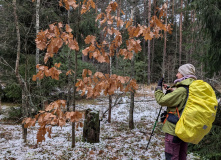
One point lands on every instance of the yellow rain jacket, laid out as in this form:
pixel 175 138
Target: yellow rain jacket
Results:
pixel 177 98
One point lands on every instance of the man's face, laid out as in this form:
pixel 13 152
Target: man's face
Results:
pixel 179 75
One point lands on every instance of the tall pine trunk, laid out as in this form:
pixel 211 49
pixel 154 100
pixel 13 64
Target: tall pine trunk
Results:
pixel 180 45
pixel 148 57
pixel 153 46
pixel 144 41
pixel 192 34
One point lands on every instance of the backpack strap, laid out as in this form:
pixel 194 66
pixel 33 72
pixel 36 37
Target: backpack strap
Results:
pixel 187 90
pixel 179 113
pixel 187 93
pixel 167 115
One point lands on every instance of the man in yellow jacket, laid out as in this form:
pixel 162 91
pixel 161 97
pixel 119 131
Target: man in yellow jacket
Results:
pixel 175 148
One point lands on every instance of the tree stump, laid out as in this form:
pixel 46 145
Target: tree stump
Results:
pixel 91 130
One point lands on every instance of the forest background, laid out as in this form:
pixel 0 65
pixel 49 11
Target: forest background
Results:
pixel 195 39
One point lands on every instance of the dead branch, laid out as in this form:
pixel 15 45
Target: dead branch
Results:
pixel 117 101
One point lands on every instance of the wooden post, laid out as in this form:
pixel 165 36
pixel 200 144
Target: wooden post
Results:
pixel 91 130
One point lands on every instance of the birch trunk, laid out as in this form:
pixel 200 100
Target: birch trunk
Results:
pixel 165 46
pixel 24 107
pixel 176 48
pixel 37 30
pixel 21 81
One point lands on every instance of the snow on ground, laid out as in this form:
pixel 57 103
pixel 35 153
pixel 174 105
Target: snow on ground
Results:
pixel 116 140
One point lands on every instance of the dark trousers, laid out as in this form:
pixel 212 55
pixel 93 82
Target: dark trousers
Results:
pixel 175 148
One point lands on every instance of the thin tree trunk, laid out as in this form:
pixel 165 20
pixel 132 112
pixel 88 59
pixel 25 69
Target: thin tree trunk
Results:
pixel 192 34
pixel 24 107
pixel 176 42
pixel 0 104
pixel 144 41
pixel 188 36
pixel 110 73
pixel 165 46
pixel 131 120
pixel 168 72
pixel 172 11
pixel 153 46
pixel 180 46
pixel 38 2
pixel 24 133
pixel 75 77
pixel 109 111
pixel 118 28
pixel 148 57
pixel 18 44
pixel 110 97
pixel 69 76
pixel 21 81
pixel 37 30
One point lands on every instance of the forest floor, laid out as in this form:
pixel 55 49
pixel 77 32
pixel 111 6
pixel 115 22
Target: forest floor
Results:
pixel 116 140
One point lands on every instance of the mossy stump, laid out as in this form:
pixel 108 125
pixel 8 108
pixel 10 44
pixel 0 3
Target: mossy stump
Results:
pixel 91 130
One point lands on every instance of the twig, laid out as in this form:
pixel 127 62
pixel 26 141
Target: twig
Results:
pixel 140 101
pixel 12 122
pixel 115 103
pixel 217 82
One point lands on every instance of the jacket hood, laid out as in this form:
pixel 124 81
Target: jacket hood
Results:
pixel 185 82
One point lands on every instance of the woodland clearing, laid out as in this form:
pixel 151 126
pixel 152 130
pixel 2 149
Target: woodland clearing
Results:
pixel 116 140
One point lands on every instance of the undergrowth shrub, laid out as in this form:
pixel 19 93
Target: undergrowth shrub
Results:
pixel 13 93
pixel 14 113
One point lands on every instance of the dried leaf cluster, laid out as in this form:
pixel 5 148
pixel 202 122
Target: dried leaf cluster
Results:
pixel 43 70
pixel 52 116
pixel 53 39
pixel 99 82
pixel 86 5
